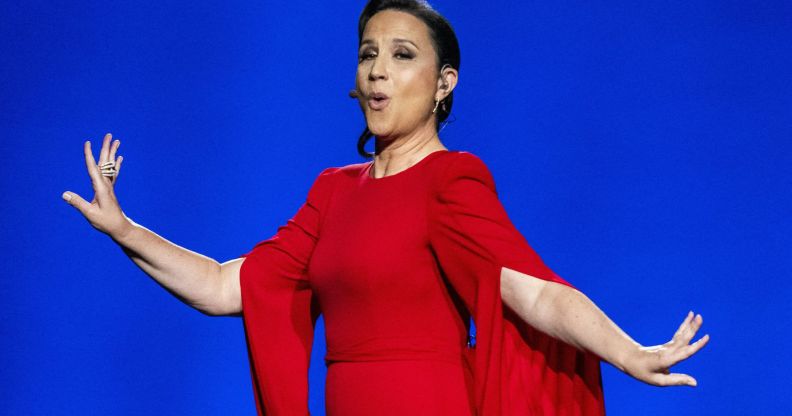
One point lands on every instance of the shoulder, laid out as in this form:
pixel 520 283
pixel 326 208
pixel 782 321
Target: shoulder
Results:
pixel 325 177
pixel 329 177
pixel 462 166
pixel 332 173
pixel 323 185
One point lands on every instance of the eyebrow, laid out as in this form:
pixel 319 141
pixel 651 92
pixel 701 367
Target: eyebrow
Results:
pixel 397 40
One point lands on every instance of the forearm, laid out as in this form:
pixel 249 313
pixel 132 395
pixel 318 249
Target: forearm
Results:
pixel 567 314
pixel 575 319
pixel 190 276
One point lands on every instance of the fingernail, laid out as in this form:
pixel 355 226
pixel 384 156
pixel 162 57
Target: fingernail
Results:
pixel 66 196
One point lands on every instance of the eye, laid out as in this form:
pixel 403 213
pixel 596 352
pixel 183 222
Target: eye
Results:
pixel 403 55
pixel 366 55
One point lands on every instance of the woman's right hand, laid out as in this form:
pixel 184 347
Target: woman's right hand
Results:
pixel 103 212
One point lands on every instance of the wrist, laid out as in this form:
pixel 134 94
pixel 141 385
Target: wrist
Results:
pixel 123 233
pixel 628 357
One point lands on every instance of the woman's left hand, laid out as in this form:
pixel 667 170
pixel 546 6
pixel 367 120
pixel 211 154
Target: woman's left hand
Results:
pixel 652 364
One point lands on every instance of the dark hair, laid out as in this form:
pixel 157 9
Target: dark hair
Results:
pixel 443 39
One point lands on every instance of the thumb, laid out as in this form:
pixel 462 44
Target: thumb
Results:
pixel 75 200
pixel 677 379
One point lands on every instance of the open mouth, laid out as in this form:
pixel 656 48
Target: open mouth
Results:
pixel 378 101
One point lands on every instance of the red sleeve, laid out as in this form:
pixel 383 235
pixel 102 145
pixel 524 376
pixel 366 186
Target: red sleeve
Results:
pixel 278 309
pixel 518 370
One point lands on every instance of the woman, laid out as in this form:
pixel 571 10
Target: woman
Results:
pixel 397 254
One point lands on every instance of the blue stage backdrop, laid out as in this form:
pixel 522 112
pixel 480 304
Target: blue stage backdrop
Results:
pixel 642 148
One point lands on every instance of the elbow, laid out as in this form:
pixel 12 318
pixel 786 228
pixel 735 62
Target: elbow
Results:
pixel 219 308
pixel 221 303
pixel 214 312
pixel 540 303
pixel 209 307
pixel 219 297
pixel 210 310
pixel 521 292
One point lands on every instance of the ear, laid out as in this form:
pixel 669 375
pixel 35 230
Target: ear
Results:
pixel 446 82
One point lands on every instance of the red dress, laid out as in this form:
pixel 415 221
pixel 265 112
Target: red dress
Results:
pixel 396 266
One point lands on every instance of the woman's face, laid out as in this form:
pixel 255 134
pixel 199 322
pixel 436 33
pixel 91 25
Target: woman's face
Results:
pixel 397 77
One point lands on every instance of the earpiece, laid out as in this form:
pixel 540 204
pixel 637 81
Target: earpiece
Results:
pixel 353 94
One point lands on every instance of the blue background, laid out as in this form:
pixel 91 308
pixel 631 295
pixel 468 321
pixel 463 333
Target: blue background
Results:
pixel 643 149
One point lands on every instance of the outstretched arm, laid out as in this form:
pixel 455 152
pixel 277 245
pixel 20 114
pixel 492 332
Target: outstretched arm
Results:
pixel 199 281
pixel 567 314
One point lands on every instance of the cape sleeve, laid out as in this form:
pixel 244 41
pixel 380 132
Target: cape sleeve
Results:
pixel 518 370
pixel 278 309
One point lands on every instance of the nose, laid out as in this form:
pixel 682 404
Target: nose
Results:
pixel 378 69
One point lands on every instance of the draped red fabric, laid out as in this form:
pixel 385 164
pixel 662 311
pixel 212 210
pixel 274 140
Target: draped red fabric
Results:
pixel 278 309
pixel 441 221
pixel 518 370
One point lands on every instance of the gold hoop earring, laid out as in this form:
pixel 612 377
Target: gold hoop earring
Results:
pixel 437 102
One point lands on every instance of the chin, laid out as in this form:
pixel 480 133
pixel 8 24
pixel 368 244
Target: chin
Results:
pixel 379 128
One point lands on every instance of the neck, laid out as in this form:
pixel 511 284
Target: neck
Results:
pixel 393 155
